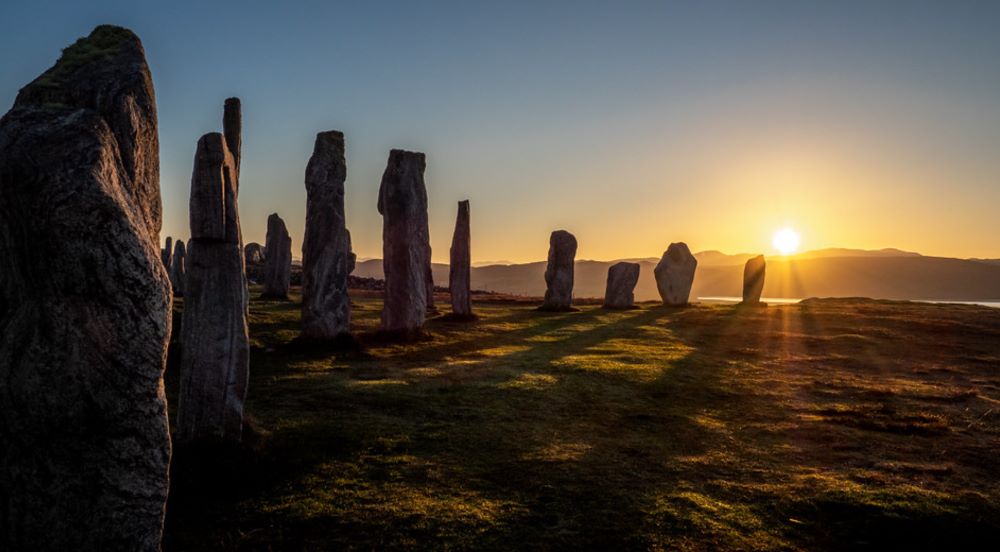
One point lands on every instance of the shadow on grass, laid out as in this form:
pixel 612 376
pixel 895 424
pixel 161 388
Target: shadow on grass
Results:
pixel 628 430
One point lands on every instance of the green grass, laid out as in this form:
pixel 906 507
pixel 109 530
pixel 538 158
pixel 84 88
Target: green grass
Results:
pixel 826 425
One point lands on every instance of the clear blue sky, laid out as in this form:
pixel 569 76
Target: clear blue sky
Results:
pixel 632 124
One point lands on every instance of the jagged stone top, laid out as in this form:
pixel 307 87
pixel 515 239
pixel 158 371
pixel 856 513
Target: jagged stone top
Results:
pixel 327 164
pixel 330 142
pixel 95 63
pixel 403 176
pixel 102 76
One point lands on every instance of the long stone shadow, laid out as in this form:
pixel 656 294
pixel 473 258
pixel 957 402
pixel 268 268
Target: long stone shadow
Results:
pixel 284 461
pixel 554 507
pixel 586 458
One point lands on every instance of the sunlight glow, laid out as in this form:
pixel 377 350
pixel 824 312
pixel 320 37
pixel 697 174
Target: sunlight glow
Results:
pixel 786 241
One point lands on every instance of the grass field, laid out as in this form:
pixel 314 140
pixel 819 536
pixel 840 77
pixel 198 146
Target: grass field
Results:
pixel 827 425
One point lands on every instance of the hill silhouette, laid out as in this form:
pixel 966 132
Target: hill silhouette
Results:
pixel 885 274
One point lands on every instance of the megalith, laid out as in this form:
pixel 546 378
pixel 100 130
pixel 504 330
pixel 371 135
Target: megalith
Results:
pixel 327 259
pixel 84 305
pixel 215 359
pixel 254 253
pixel 460 266
pixel 753 280
pixel 177 270
pixel 622 278
pixel 167 252
pixel 559 272
pixel 402 202
pixel 278 264
pixel 675 274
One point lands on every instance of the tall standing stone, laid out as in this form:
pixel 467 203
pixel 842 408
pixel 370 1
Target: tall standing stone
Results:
pixel 168 253
pixel 753 280
pixel 622 278
pixel 430 282
pixel 675 274
pixel 559 272
pixel 177 268
pixel 402 201
pixel 232 129
pixel 327 260
pixel 278 266
pixel 84 306
pixel 215 360
pixel 460 267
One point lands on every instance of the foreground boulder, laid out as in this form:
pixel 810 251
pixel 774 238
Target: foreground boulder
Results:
pixel 84 306
pixel 402 201
pixel 559 272
pixel 327 260
pixel 622 278
pixel 753 280
pixel 215 359
pixel 675 274
pixel 177 270
pixel 460 267
pixel 278 265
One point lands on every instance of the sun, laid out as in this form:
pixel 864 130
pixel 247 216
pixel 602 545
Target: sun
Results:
pixel 786 241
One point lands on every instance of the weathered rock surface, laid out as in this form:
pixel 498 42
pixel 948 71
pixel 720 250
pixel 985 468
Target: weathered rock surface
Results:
pixel 84 306
pixel 177 268
pixel 430 282
pixel 232 129
pixel 753 280
pixel 254 253
pixel 559 272
pixel 460 268
pixel 675 273
pixel 278 265
pixel 622 278
pixel 327 260
pixel 402 201
pixel 215 359
pixel 168 253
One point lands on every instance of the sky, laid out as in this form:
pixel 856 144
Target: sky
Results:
pixel 863 124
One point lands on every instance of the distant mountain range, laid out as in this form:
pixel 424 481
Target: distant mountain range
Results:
pixel 885 274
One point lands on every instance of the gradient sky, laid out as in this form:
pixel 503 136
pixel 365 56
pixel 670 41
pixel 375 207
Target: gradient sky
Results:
pixel 631 124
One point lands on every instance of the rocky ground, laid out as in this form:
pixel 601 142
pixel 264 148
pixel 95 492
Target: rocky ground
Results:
pixel 824 425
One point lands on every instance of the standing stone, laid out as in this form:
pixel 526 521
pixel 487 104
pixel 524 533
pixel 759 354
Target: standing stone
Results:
pixel 215 360
pixel 327 260
pixel 675 274
pixel 167 253
pixel 753 280
pixel 430 282
pixel 232 129
pixel 177 270
pixel 460 267
pixel 278 266
pixel 622 278
pixel 559 272
pixel 402 201
pixel 254 253
pixel 84 306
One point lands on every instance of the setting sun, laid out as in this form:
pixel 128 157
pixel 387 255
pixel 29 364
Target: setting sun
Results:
pixel 786 241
